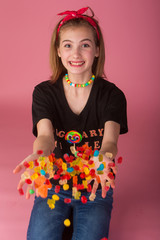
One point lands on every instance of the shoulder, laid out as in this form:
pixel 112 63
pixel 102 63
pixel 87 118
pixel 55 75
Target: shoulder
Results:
pixel 46 87
pixel 108 88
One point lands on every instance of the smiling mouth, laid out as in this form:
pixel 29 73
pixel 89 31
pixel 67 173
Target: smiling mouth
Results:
pixel 76 63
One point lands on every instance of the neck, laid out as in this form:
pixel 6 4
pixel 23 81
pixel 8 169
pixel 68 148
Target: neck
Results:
pixel 80 78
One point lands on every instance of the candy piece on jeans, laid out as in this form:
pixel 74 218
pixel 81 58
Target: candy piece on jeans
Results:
pixel 82 175
pixel 62 181
pixel 51 203
pixel 104 238
pixel 67 200
pixel 43 191
pixel 55 197
pixel 31 191
pixel 26 164
pixel 65 187
pixel 56 176
pixel 92 197
pixel 119 160
pixel 64 166
pixel 42 172
pixel 28 181
pixel 21 192
pixel 84 182
pixel 57 189
pixel 48 183
pixel 83 199
pixel 67 222
pixel 77 195
pixel 75 179
pixel 39 152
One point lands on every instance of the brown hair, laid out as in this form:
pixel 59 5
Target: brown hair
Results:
pixel 57 67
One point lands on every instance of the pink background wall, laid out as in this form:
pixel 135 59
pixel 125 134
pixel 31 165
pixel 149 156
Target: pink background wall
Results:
pixel 132 35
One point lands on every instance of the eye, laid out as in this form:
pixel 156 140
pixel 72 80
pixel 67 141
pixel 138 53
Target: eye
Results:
pixel 67 45
pixel 85 45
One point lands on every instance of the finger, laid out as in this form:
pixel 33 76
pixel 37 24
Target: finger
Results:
pixel 18 168
pixel 20 184
pixel 104 192
pixel 95 186
pixel 28 194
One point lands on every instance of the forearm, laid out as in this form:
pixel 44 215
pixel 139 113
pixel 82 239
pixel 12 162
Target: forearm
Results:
pixel 109 147
pixel 44 143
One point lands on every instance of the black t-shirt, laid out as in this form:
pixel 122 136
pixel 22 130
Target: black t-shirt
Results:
pixel 106 102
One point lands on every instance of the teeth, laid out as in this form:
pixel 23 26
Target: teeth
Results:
pixel 77 64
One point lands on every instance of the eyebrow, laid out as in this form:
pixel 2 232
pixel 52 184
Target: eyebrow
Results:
pixel 83 40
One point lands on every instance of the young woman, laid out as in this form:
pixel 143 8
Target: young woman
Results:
pixel 77 97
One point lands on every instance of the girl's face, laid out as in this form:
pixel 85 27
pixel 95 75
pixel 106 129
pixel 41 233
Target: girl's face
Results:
pixel 77 49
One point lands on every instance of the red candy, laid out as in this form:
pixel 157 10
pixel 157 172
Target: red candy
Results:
pixel 119 160
pixel 90 162
pixel 56 176
pixel 57 189
pixel 21 192
pixel 82 175
pixel 39 152
pixel 28 181
pixel 92 172
pixel 84 199
pixel 110 175
pixel 106 188
pixel 67 200
pixel 36 164
pixel 89 188
pixel 111 164
pixel 104 238
pixel 26 164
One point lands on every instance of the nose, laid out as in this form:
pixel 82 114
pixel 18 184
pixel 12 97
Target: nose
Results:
pixel 76 52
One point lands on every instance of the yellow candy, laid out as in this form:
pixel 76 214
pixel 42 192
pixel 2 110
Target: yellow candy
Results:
pixel 86 170
pixel 64 166
pixel 42 163
pixel 34 176
pixel 55 197
pixel 77 195
pixel 65 187
pixel 67 222
pixel 37 169
pixel 84 182
pixel 89 177
pixel 31 164
pixel 51 203
pixel 100 157
pixel 104 163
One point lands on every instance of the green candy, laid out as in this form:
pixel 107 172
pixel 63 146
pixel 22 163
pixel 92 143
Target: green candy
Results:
pixel 31 191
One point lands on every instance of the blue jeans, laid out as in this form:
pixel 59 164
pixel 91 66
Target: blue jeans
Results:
pixel 90 220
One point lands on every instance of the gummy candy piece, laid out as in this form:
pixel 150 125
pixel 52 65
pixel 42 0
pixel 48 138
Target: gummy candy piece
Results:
pixel 70 169
pixel 86 170
pixel 100 172
pixel 100 157
pixel 90 162
pixel 21 192
pixel 56 176
pixel 43 191
pixel 92 172
pixel 31 191
pixel 65 187
pixel 39 152
pixel 28 181
pixel 31 164
pixel 40 180
pixel 82 175
pixel 119 160
pixel 55 197
pixel 57 189
pixel 36 163
pixel 104 238
pixel 26 164
pixel 111 164
pixel 67 200
pixel 83 199
pixel 96 153
pixel 106 188
pixel 89 188
pixel 110 175
pixel 62 182
pixel 92 197
pixel 42 172
pixel 84 182
pixel 51 203
pixel 101 167
pixel 67 222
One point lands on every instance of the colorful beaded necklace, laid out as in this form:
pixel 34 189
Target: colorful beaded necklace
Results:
pixel 79 85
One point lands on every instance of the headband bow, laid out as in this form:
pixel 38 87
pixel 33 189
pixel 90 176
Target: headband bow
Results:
pixel 77 14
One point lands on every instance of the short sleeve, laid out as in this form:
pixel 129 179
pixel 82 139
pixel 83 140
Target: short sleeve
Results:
pixel 41 107
pixel 116 109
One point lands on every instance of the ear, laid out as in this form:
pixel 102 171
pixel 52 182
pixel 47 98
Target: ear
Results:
pixel 97 52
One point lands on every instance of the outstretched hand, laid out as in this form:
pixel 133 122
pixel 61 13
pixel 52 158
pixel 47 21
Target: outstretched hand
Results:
pixel 26 174
pixel 107 178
